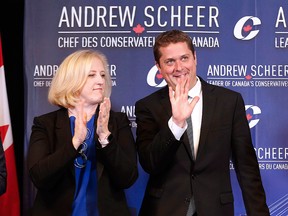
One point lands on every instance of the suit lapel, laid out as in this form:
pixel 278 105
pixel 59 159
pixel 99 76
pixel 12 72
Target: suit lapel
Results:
pixel 209 102
pixel 164 100
pixel 63 131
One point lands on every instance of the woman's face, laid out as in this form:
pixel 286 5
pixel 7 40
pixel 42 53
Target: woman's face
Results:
pixel 93 90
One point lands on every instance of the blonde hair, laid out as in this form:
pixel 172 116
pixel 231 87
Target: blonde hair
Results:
pixel 72 75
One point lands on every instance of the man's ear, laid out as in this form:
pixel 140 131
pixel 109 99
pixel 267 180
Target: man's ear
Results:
pixel 158 66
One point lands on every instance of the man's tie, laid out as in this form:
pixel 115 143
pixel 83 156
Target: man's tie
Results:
pixel 190 135
pixel 191 208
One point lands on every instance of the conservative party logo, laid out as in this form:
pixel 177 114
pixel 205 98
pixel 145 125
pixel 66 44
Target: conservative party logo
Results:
pixel 246 28
pixel 155 78
pixel 251 115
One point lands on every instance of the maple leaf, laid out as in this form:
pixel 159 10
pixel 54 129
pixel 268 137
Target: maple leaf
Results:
pixel 248 77
pixel 247 28
pixel 159 76
pixel 248 116
pixel 138 29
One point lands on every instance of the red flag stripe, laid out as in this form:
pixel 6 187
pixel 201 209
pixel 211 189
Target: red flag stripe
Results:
pixel 9 201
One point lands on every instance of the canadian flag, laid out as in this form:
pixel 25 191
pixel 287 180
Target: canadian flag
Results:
pixel 9 201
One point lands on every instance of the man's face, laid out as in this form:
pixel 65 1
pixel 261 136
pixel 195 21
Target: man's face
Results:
pixel 176 62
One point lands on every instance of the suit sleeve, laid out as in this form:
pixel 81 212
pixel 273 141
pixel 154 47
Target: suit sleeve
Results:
pixel 120 157
pixel 48 160
pixel 155 142
pixel 246 164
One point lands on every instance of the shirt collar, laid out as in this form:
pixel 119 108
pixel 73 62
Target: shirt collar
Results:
pixel 196 90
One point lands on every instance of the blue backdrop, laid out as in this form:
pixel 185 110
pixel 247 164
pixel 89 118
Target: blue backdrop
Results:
pixel 240 44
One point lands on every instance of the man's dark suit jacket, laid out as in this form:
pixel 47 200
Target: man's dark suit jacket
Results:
pixel 51 167
pixel 3 171
pixel 175 177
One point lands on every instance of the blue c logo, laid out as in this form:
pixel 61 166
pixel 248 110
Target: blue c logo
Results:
pixel 240 25
pixel 255 110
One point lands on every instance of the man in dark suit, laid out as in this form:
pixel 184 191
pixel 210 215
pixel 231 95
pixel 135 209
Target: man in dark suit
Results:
pixel 191 176
pixel 3 171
